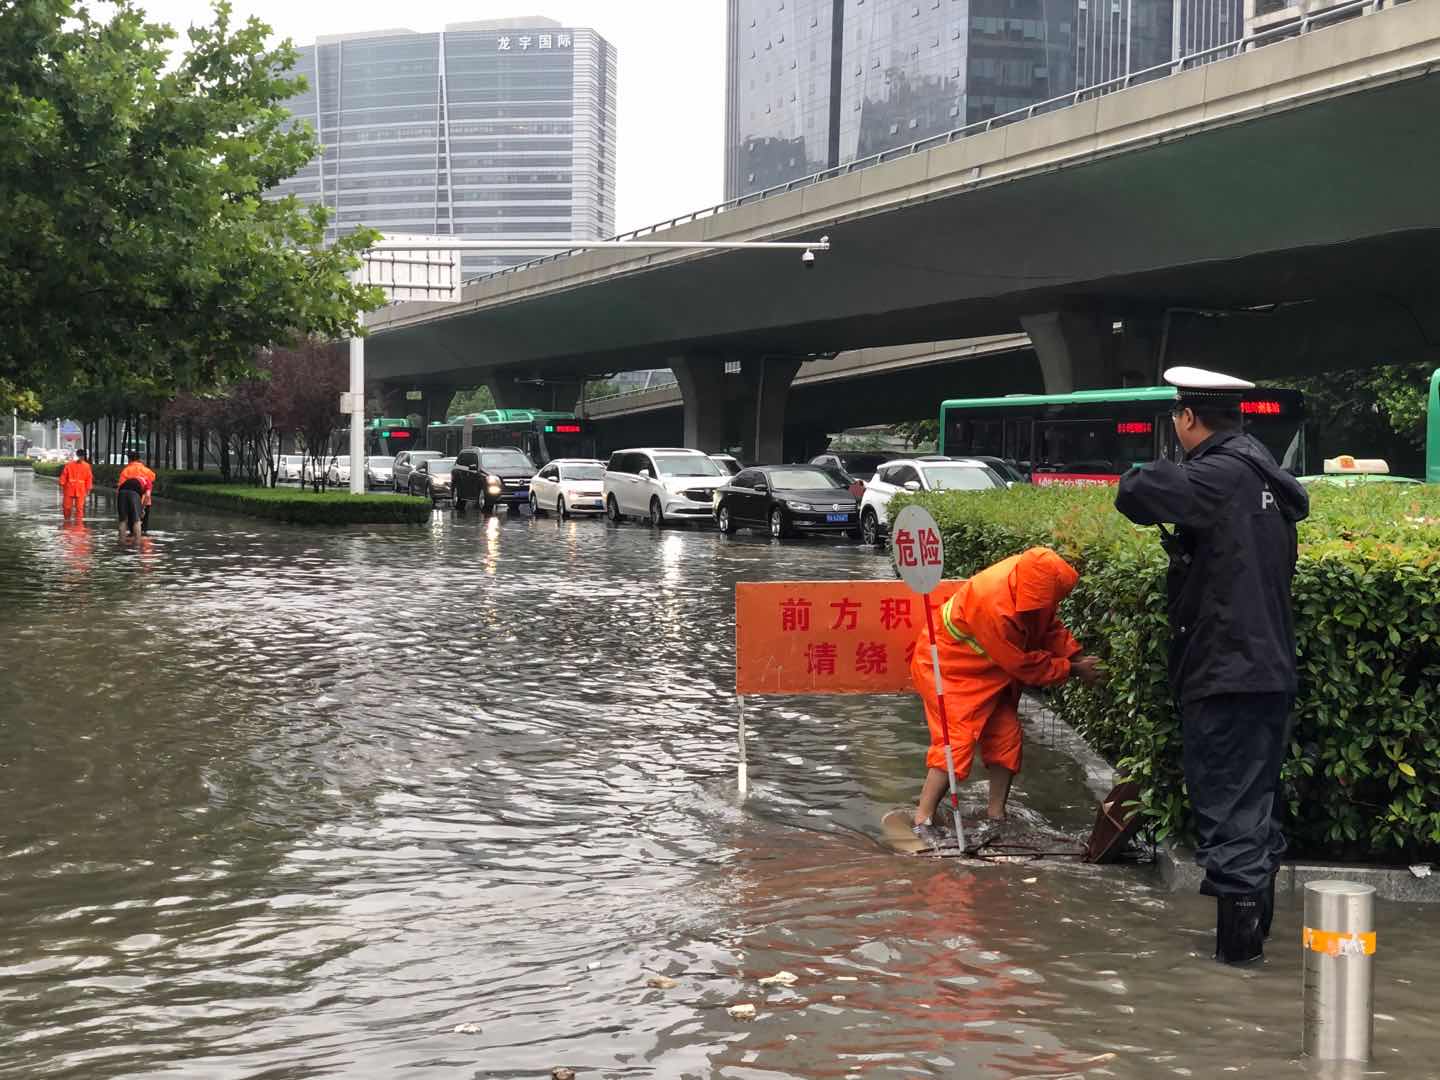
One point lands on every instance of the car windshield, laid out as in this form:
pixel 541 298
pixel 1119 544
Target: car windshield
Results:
pixel 803 478
pixel 381 462
pixel 438 466
pixel 686 465
pixel 505 459
pixel 582 472
pixel 727 465
pixel 958 478
pixel 423 455
pixel 292 459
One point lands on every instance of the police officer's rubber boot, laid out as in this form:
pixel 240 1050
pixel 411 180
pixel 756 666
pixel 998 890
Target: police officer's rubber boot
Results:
pixel 1238 935
pixel 1267 908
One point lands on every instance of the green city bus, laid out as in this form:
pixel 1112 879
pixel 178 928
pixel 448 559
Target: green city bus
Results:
pixel 543 436
pixel 1094 436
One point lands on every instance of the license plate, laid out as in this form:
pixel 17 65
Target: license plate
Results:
pixel 837 517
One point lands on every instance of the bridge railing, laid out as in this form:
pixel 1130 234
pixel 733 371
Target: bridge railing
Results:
pixel 1303 24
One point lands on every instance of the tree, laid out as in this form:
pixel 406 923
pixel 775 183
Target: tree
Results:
pixel 1370 412
pixel 476 399
pixel 134 238
pixel 306 383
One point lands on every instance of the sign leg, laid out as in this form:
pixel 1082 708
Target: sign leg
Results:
pixel 741 769
pixel 944 726
pixel 357 416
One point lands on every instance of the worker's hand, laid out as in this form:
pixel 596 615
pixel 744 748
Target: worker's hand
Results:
pixel 1089 670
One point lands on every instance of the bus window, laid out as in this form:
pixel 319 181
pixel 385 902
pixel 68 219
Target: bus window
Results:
pixel 1075 448
pixel 1019 443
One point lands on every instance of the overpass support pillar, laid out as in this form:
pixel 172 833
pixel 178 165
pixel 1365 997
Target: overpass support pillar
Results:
pixel 1075 348
pixel 702 389
pixel 762 424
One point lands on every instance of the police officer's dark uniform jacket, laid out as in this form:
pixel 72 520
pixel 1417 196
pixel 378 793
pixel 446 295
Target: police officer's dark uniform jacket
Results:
pixel 1232 654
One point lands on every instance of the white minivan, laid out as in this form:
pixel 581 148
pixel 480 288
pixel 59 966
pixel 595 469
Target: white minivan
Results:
pixel 661 484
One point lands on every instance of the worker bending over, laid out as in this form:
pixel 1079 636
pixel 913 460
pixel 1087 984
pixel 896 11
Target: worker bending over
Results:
pixel 999 632
pixel 76 480
pixel 132 495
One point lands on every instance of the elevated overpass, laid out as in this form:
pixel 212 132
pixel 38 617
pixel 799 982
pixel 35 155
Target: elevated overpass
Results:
pixel 1270 212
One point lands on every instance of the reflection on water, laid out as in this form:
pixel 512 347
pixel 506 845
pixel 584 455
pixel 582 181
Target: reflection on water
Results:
pixel 299 803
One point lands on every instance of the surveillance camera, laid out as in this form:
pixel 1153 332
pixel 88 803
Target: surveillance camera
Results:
pixel 808 259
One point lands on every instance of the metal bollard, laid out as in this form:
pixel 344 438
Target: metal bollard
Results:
pixel 1339 970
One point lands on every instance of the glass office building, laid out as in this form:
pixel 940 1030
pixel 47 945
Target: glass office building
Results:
pixel 815 83
pixel 487 129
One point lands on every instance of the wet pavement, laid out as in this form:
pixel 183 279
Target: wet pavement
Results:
pixel 293 803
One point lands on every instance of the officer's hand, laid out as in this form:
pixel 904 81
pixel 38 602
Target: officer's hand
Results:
pixel 1089 670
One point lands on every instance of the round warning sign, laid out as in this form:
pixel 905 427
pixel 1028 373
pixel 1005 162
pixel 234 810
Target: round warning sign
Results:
pixel 917 549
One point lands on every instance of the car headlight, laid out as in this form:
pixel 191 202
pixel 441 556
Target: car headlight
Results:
pixel 799 506
pixel 493 486
pixel 576 496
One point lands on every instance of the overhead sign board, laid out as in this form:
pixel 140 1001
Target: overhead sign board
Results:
pixel 425 271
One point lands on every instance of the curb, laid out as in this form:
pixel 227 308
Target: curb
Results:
pixel 1178 872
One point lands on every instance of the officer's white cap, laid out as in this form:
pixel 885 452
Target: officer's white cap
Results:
pixel 1193 378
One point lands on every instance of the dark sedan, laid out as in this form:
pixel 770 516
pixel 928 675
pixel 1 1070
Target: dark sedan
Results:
pixel 432 478
pixel 786 500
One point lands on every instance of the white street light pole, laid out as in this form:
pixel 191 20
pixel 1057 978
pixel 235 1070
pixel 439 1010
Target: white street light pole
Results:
pixel 377 261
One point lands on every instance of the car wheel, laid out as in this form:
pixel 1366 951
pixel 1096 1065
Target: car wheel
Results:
pixel 534 505
pixel 870 529
pixel 459 504
pixel 657 515
pixel 777 524
pixel 560 510
pixel 725 521
pixel 612 510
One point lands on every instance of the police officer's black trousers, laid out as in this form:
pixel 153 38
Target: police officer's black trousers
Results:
pixel 1234 747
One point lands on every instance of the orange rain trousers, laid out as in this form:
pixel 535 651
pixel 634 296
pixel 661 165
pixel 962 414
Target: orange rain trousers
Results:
pixel 1009 636
pixel 76 480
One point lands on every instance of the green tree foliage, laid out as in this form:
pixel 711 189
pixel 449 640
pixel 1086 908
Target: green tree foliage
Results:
pixel 476 399
pixel 1363 775
pixel 135 243
pixel 1370 412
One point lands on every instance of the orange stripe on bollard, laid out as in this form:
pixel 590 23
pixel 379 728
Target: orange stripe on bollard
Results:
pixel 1332 943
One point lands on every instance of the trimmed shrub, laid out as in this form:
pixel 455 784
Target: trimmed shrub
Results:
pixel 1363 776
pixel 299 506
pixel 20 462
pixel 306 507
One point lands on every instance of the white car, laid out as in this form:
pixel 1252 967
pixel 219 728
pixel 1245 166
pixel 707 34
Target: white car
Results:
pixel 728 463
pixel 291 467
pixel 661 484
pixel 569 486
pixel 918 474
pixel 339 471
pixel 379 471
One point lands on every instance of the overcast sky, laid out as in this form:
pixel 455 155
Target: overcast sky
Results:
pixel 672 76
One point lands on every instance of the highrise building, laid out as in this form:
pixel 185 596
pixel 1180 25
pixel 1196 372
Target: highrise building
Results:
pixel 816 83
pixel 486 129
pixel 813 84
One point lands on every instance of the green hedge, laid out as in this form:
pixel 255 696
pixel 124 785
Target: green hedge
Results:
pixel 303 507
pixel 1363 776
pixel 19 462
pixel 295 505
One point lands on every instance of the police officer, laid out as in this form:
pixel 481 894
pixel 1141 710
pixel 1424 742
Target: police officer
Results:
pixel 1232 650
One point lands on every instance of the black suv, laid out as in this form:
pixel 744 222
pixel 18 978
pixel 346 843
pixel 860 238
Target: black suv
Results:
pixel 491 475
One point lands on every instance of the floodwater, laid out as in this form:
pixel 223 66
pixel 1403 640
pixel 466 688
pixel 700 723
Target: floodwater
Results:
pixel 435 802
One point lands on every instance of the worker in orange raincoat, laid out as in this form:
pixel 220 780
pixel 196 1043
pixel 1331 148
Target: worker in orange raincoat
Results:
pixel 999 632
pixel 133 489
pixel 76 480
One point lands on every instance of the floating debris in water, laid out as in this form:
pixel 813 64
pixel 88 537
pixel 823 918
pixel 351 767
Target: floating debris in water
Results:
pixel 560 1072
pixel 661 982
pixel 467 1029
pixel 742 1012
pixel 1421 870
pixel 837 997
pixel 780 978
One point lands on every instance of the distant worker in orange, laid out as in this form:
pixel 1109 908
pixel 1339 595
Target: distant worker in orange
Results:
pixel 999 632
pixel 132 495
pixel 76 480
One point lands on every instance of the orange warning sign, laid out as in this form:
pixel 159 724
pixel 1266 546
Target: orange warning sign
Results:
pixel 1336 943
pixel 828 637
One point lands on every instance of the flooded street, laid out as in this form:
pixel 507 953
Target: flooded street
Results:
pixel 294 803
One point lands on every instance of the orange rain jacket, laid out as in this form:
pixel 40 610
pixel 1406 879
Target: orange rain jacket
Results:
pixel 1000 631
pixel 76 479
pixel 140 471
